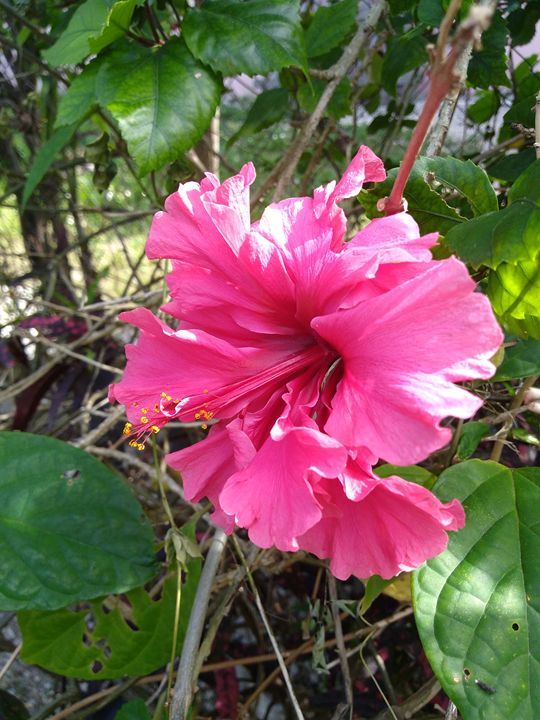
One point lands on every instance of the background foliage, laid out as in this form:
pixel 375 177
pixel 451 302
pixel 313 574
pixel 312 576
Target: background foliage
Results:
pixel 105 105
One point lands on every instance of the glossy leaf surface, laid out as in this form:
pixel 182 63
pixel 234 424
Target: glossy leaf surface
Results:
pixel 477 605
pixel 70 528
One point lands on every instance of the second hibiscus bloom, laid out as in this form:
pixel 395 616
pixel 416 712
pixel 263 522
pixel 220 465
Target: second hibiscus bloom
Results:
pixel 318 356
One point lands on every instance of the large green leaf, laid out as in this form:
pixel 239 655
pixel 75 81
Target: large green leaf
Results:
pixel 427 207
pixel 250 36
pixel 162 99
pixel 514 291
pixel 464 177
pixel 520 361
pixel 70 528
pixel 45 157
pixel 109 638
pixel 509 236
pixel 477 605
pixel 330 26
pixel 94 25
pixel 80 98
pixel 404 53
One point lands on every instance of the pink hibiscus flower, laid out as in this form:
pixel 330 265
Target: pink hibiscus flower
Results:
pixel 318 356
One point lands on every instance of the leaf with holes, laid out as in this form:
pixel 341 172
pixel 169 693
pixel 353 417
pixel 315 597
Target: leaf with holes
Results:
pixel 162 99
pixel 477 604
pixel 464 177
pixel 427 207
pixel 511 235
pixel 109 638
pixel 250 36
pixel 70 528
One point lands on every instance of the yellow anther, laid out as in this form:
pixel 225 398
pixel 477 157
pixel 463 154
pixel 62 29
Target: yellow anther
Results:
pixel 204 426
pixel 133 443
pixel 144 411
pixel 127 428
pixel 140 446
pixel 156 408
pixel 197 416
pixel 144 420
pixel 155 429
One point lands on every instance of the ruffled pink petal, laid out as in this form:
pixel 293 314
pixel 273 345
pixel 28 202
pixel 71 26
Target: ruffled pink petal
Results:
pixel 392 239
pixel 394 526
pixel 407 347
pixel 182 363
pixel 206 466
pixel 364 167
pixel 273 497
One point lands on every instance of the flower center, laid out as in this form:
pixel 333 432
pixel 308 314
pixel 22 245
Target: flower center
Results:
pixel 227 401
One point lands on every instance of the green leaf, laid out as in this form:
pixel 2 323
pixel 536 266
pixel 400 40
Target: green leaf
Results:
pixel 430 12
pixel 527 186
pixel 477 604
pixel 464 177
pixel 309 95
pixel 404 53
pixel 94 25
pixel 70 528
pixel 250 36
pixel 511 235
pixel 269 107
pixel 373 587
pixel 330 26
pixel 110 638
pixel 470 438
pixel 80 98
pixel 427 207
pixel 134 710
pixel 510 167
pixel 162 99
pixel 412 473
pixel 484 107
pixel 45 157
pixel 488 66
pixel 522 23
pixel 514 291
pixel 520 361
pixel 521 112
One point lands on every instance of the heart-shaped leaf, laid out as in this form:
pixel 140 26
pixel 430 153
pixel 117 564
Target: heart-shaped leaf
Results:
pixel 70 528
pixel 477 605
